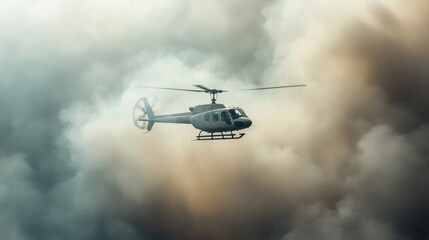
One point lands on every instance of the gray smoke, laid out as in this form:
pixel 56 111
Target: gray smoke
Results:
pixel 344 158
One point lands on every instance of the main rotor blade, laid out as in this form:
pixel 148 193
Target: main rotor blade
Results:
pixel 202 87
pixel 174 89
pixel 210 90
pixel 266 88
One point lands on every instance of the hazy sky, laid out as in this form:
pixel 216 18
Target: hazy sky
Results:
pixel 344 158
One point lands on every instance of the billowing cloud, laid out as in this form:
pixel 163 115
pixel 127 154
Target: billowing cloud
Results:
pixel 344 158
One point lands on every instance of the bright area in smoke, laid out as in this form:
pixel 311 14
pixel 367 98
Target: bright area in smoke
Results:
pixel 330 161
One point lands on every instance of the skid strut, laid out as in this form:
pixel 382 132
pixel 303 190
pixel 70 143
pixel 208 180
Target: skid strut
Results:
pixel 219 136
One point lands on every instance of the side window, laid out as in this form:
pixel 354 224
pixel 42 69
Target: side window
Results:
pixel 215 117
pixel 224 117
pixel 233 115
pixel 207 116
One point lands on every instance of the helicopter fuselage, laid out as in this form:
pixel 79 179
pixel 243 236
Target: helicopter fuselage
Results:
pixel 207 117
pixel 221 120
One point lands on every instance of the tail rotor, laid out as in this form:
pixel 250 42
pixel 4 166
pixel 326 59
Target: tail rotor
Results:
pixel 143 114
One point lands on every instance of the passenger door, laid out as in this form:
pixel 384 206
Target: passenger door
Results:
pixel 225 117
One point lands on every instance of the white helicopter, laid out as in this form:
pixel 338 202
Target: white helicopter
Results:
pixel 214 118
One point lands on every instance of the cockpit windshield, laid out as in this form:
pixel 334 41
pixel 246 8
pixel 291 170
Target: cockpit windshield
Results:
pixel 235 113
pixel 242 112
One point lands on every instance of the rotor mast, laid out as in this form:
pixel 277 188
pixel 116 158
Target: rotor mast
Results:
pixel 213 96
pixel 213 92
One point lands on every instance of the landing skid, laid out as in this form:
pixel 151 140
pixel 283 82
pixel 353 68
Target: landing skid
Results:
pixel 219 136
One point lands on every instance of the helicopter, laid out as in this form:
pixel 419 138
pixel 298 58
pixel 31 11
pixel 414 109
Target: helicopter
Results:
pixel 216 121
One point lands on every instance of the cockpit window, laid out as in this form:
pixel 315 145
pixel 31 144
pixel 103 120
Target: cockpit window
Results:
pixel 242 112
pixel 235 113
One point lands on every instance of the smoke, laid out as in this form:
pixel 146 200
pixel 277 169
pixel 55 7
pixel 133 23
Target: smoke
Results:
pixel 344 158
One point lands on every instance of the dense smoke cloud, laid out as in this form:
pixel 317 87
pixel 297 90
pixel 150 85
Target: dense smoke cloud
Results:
pixel 344 158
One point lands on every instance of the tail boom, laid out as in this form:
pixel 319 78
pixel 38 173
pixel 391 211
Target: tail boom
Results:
pixel 179 118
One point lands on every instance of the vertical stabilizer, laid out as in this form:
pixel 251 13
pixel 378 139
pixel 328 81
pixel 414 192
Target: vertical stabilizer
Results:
pixel 150 114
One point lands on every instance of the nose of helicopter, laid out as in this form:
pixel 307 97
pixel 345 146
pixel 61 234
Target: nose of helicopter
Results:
pixel 248 122
pixel 243 122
